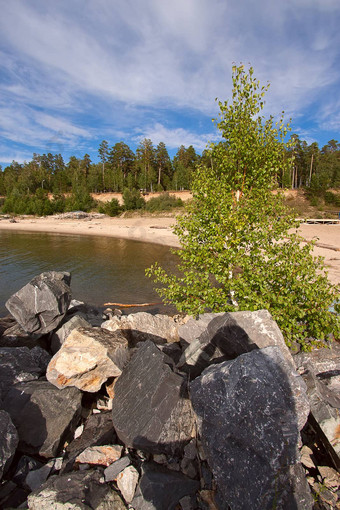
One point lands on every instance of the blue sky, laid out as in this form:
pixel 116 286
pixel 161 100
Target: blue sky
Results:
pixel 75 72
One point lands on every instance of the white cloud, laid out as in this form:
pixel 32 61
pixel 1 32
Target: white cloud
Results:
pixel 173 138
pixel 122 64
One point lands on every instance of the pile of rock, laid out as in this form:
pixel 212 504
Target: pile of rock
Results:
pixel 149 412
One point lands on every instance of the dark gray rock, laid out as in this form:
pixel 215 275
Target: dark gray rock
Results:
pixel 98 431
pixel 78 490
pixel 161 489
pixel 12 496
pixel 229 335
pixel 8 441
pixel 17 364
pixel 41 304
pixel 193 328
pixel 324 363
pixel 250 411
pixel 24 466
pixel 150 411
pixel 43 415
pixel 113 470
pixel 15 336
pixel 60 335
pixel 325 414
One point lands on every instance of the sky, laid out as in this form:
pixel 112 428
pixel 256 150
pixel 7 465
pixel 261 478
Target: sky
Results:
pixel 76 72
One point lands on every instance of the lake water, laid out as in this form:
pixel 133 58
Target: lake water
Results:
pixel 103 269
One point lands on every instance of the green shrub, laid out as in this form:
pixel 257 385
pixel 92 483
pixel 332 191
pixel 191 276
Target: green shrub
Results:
pixel 80 200
pixel 163 202
pixel 111 208
pixel 133 200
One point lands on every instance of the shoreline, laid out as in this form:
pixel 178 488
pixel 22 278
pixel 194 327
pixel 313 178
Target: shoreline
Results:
pixel 159 230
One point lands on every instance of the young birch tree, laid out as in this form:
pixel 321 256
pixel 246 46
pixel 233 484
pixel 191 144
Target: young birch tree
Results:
pixel 239 247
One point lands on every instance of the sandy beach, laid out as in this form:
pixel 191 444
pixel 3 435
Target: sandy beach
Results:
pixel 159 230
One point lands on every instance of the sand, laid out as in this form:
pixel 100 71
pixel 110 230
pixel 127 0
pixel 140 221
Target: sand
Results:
pixel 159 230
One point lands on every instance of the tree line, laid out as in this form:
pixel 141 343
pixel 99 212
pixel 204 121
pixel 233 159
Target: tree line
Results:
pixel 150 168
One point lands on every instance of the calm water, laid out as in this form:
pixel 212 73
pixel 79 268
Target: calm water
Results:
pixel 103 269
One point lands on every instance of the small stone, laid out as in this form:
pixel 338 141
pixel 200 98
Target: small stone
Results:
pixel 307 457
pixel 127 482
pixel 100 455
pixel 160 458
pixel 78 432
pixel 325 495
pixel 36 478
pixel 331 478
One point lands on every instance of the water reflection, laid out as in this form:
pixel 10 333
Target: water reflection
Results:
pixel 103 269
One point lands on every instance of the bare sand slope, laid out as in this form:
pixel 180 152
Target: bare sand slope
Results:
pixel 159 230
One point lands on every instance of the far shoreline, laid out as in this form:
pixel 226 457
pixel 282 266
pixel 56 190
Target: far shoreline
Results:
pixel 159 230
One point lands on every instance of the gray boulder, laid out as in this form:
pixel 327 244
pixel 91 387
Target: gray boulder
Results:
pixel 324 363
pixel 229 335
pixel 150 411
pixel 143 326
pixel 194 327
pixel 8 441
pixel 161 489
pixel 41 304
pixel 250 411
pixel 87 358
pixel 18 364
pixel 325 414
pixel 78 490
pixel 60 335
pixel 44 416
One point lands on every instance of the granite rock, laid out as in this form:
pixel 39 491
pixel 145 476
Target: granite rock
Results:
pixel 161 489
pixel 250 411
pixel 150 410
pixel 8 441
pixel 87 358
pixel 59 336
pixel 43 416
pixel 143 326
pixel 18 364
pixel 78 490
pixel 41 304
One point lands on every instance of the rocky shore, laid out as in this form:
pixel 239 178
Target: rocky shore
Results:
pixel 140 411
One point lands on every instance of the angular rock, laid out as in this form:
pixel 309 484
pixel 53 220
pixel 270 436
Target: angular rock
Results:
pixel 230 335
pixel 324 363
pixel 250 411
pixel 98 431
pixel 43 415
pixel 91 314
pixel 36 478
pixel 100 455
pixel 78 490
pixel 325 417
pixel 127 482
pixel 24 466
pixel 142 326
pixel 193 328
pixel 60 335
pixel 87 358
pixel 8 441
pixel 150 411
pixel 17 364
pixel 160 488
pixel 111 472
pixel 41 304
pixel 15 336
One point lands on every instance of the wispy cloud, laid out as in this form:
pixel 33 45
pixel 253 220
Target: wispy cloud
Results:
pixel 77 72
